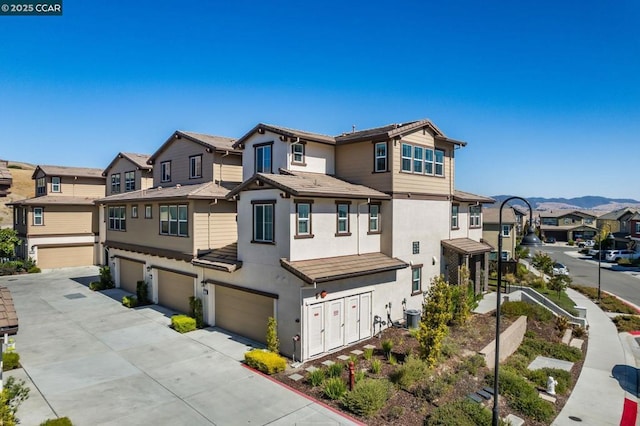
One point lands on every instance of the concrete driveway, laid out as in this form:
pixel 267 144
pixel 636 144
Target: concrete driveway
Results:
pixel 87 357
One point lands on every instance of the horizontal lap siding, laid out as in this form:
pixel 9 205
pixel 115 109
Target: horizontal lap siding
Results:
pixel 230 166
pixel 219 226
pixel 65 220
pixel 354 163
pixel 81 187
pixel 178 153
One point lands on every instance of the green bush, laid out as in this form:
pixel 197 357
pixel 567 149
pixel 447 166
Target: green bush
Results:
pixel 10 361
pixel 518 308
pixel 62 421
pixel 539 377
pixel 14 392
pixel 95 286
pixel 434 387
pixel 265 361
pixel 376 366
pixel 368 353
pixel 273 343
pixel 532 347
pixel 334 388
pixel 360 375
pixel 387 346
pixel 316 377
pixel 105 278
pixel 406 375
pixel 627 323
pixel 34 270
pixel 473 364
pixel 460 413
pixel 367 397
pixel 183 323
pixel 195 311
pixel 142 292
pixel 130 301
pixel 522 395
pixel 335 370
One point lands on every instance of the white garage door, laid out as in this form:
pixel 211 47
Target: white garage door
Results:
pixel 174 290
pixel 130 273
pixel 62 257
pixel 243 312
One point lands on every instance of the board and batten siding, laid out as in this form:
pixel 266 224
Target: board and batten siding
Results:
pixel 214 225
pixel 354 163
pixel 59 220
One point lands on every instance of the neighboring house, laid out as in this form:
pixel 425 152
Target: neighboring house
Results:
pixel 568 225
pixel 154 234
pixel 339 234
pixel 59 227
pixel 5 179
pixel 634 236
pixel 618 221
pixel 509 231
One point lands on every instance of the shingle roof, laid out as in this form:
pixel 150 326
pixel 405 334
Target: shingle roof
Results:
pixel 565 212
pixel 467 246
pixel 206 190
pixel 139 160
pixel 68 171
pixel 8 314
pixel 216 143
pixel 617 214
pixel 392 130
pixel 471 198
pixel 492 215
pixel 49 200
pixel 305 184
pixel 286 132
pixel 340 267
pixel 222 259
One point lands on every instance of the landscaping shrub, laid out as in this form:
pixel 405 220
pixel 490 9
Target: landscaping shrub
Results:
pixel 434 387
pixel 393 360
pixel 473 364
pixel 408 374
pixel 265 361
pixel 273 344
pixel 8 268
pixel 376 366
pixel 539 377
pixel 130 301
pixel 368 353
pixel 95 286
pixel 607 302
pixel 14 392
pixel 183 323
pixel 627 323
pixel 316 377
pixel 522 395
pixel 367 397
pixel 360 375
pixel 519 362
pixel 436 314
pixel 195 311
pixel 10 360
pixel 532 347
pixel 62 421
pixel 579 332
pixel 518 308
pixel 387 346
pixel 105 278
pixel 334 388
pixel 34 270
pixel 142 292
pixel 460 413
pixel 335 370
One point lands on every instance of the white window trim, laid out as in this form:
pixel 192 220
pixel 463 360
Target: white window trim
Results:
pixel 38 212
pixel 56 186
pixel 195 166
pixel 377 157
pixel 437 163
pixel 416 279
pixel 506 228
pixel 165 171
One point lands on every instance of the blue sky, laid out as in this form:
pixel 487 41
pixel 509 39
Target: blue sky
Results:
pixel 547 94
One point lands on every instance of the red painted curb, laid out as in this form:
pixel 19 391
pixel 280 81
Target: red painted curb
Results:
pixel 629 413
pixel 634 333
pixel 328 407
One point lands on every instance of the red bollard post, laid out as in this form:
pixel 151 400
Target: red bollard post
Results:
pixel 352 375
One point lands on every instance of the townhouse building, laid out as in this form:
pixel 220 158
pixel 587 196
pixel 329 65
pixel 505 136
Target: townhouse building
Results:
pixel 568 225
pixel 6 180
pixel 508 231
pixel 59 227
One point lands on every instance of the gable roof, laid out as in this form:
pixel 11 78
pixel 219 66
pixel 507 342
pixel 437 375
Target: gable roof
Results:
pixel 49 200
pixel 211 142
pixel 286 134
pixel 395 130
pixel 138 160
pixel 617 214
pixel 203 191
pixel 492 215
pixel 306 184
pixel 468 197
pixel 68 171
pixel 561 213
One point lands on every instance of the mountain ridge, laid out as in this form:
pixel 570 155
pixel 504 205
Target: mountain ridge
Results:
pixel 587 202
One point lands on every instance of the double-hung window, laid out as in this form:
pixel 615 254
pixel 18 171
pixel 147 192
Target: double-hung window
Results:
pixel 406 157
pixel 374 218
pixel 38 216
pixel 417 159
pixel 263 157
pixel 428 161
pixel 380 157
pixel 129 181
pixel 115 182
pixel 439 162
pixel 195 167
pixel 455 210
pixel 55 184
pixel 117 218
pixel 342 225
pixel 303 219
pixel 506 230
pixel 41 186
pixel 174 220
pixel 416 279
pixel 165 171
pixel 263 225
pixel 297 153
pixel 148 211
pixel 474 216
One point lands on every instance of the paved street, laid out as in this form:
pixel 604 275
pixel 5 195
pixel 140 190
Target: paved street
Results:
pixel 87 357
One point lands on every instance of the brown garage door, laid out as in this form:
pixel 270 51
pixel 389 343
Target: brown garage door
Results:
pixel 242 312
pixel 63 257
pixel 130 273
pixel 174 290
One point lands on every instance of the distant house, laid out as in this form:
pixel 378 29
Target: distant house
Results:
pixel 568 225
pixel 491 230
pixel 634 236
pixel 5 179
pixel 620 223
pixel 59 227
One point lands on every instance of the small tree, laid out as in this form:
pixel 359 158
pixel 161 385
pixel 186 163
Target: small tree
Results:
pixel 559 283
pixel 436 314
pixel 273 344
pixel 195 305
pixel 462 297
pixel 12 395
pixel 8 242
pixel 543 262
pixel 105 278
pixel 521 253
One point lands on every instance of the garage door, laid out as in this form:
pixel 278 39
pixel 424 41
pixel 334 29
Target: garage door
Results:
pixel 174 290
pixel 130 273
pixel 242 312
pixel 63 257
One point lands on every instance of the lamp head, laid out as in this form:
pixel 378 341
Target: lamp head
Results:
pixel 531 239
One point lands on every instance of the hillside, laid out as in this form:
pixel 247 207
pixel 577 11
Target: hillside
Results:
pixel 22 187
pixel 588 202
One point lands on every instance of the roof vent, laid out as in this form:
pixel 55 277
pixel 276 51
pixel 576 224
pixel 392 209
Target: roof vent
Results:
pixel 353 128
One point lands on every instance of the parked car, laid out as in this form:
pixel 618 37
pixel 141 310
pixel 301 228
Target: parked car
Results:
pixel 550 240
pixel 560 269
pixel 615 255
pixel 586 243
pixel 596 254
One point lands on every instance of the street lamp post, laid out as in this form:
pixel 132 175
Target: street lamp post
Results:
pixel 529 240
pixel 611 238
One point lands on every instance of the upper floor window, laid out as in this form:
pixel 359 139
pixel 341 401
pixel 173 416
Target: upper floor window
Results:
pixel 407 153
pixel 421 160
pixel 550 221
pixel 439 162
pixel 147 211
pixel 303 219
pixel 165 171
pixel 380 160
pixel 588 220
pixel 416 279
pixel 117 218
pixel 195 167
pixel 263 157
pixel 342 225
pixel 41 186
pixel 174 220
pixel 129 181
pixel 115 182
pixel 567 221
pixel 474 216
pixel 38 216
pixel 297 153
pixel 506 230
pixel 455 210
pixel 263 224
pixel 374 218
pixel 55 184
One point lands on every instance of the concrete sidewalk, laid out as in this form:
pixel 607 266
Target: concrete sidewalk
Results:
pixel 87 357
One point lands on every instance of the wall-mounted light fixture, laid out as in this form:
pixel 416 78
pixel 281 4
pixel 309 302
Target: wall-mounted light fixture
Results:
pixel 148 268
pixel 322 294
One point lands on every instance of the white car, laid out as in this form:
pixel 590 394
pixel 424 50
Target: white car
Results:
pixel 560 269
pixel 615 255
pixel 586 243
